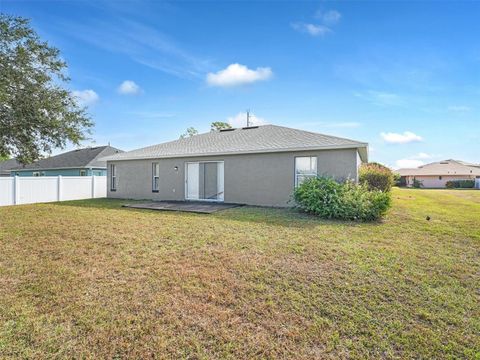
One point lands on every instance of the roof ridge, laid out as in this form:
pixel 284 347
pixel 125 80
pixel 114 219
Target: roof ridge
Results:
pixel 261 139
pixel 316 133
pixel 101 154
pixel 105 147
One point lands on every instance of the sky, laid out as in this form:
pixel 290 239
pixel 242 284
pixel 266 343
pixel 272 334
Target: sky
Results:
pixel 402 76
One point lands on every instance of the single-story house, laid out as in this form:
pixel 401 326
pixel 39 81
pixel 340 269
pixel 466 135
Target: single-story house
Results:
pixel 7 165
pixel 436 175
pixel 256 165
pixel 80 162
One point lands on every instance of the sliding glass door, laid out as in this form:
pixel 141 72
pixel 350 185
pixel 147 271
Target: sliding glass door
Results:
pixel 204 180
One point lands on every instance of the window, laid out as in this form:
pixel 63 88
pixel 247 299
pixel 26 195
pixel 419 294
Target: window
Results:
pixel 83 172
pixel 204 180
pixel 439 178
pixel 155 175
pixel 305 168
pixel 113 177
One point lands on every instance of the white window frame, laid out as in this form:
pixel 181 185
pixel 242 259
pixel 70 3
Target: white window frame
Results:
pixel 220 182
pixel 155 176
pixel 314 173
pixel 113 177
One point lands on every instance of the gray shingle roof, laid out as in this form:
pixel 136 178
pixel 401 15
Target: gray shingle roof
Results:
pixel 261 139
pixel 81 158
pixel 7 165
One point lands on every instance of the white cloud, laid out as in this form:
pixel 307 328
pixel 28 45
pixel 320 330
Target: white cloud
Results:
pixel 422 155
pixel 312 29
pixel 413 161
pixel 330 17
pixel 129 87
pixel 237 74
pixel 240 120
pixel 325 21
pixel 86 97
pixel 405 138
pixel 459 108
pixel 408 163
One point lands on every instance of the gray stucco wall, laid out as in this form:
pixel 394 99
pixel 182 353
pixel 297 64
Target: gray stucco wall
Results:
pixel 255 179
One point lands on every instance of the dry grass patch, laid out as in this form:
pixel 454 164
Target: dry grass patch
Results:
pixel 90 279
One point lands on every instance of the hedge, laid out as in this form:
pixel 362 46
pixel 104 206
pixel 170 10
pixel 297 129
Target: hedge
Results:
pixel 376 176
pixel 460 184
pixel 329 199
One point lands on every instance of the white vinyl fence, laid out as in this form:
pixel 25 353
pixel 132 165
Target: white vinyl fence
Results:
pixel 29 190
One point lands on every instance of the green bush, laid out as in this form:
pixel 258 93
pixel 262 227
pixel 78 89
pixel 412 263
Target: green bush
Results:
pixel 329 199
pixel 466 184
pixel 417 184
pixel 460 184
pixel 399 180
pixel 376 176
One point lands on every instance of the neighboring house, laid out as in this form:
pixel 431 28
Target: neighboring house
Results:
pixel 436 175
pixel 81 162
pixel 7 165
pixel 257 165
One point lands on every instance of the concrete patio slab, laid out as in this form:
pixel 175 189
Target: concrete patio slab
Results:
pixel 186 206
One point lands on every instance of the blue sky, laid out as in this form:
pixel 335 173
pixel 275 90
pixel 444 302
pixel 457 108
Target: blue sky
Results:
pixel 402 76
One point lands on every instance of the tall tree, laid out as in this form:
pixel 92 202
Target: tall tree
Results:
pixel 37 112
pixel 219 125
pixel 191 131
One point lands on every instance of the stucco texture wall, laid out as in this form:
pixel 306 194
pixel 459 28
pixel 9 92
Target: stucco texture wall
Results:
pixel 255 179
pixel 434 181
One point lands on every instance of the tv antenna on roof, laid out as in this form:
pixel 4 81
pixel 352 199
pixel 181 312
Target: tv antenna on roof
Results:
pixel 248 118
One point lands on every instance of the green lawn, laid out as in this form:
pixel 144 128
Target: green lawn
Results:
pixel 90 279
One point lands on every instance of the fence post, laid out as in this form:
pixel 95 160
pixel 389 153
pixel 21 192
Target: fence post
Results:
pixel 16 190
pixel 93 186
pixel 59 188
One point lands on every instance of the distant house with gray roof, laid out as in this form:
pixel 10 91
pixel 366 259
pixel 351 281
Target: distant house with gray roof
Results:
pixel 7 165
pixel 436 174
pixel 257 165
pixel 81 162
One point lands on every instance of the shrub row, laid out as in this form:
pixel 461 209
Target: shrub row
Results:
pixel 329 199
pixel 460 184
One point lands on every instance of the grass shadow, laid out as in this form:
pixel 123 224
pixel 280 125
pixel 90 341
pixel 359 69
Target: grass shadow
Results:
pixel 101 203
pixel 285 217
